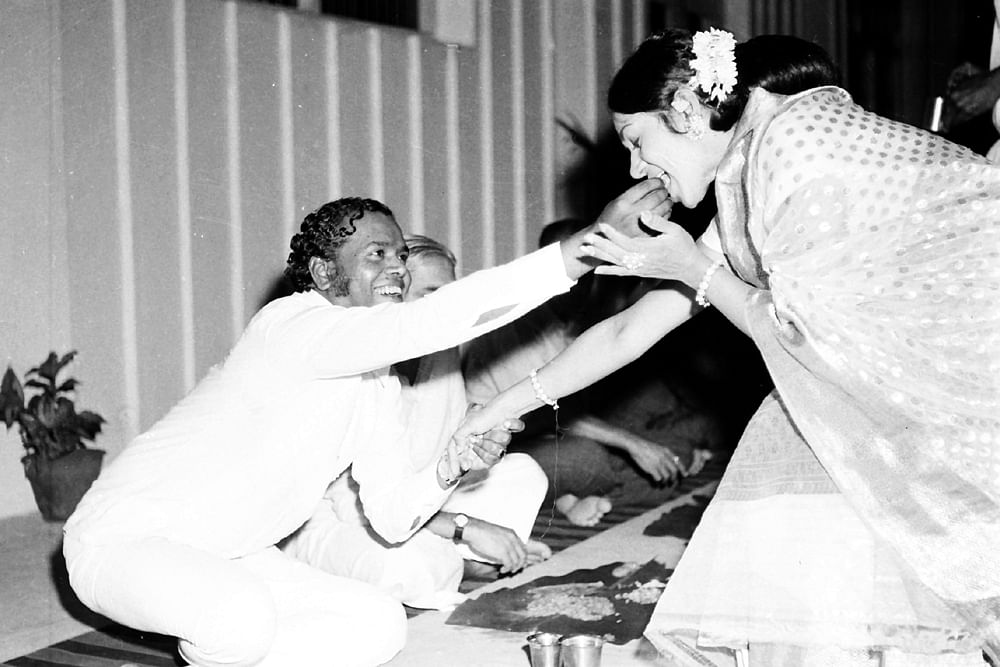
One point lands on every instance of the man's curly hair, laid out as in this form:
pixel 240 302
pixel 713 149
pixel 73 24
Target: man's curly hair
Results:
pixel 322 232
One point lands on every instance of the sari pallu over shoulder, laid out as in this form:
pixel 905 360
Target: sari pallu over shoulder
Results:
pixel 878 246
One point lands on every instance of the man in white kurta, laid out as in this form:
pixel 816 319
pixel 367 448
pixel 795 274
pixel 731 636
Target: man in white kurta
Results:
pixel 177 535
pixel 489 516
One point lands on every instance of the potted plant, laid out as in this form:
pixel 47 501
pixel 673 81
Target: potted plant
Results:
pixel 56 461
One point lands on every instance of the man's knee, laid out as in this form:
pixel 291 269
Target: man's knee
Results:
pixel 530 475
pixel 385 616
pixel 237 631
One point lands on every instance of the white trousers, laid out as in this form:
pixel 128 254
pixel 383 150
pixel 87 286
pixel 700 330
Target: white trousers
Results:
pixel 426 570
pixel 265 609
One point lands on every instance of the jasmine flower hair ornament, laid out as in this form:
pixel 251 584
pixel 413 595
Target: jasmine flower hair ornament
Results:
pixel 714 63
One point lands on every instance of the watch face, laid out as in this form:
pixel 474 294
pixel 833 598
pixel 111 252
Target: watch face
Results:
pixel 461 520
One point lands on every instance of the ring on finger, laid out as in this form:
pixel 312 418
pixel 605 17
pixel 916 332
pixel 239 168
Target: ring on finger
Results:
pixel 632 260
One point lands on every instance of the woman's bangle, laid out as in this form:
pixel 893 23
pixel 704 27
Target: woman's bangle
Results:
pixel 706 279
pixel 539 392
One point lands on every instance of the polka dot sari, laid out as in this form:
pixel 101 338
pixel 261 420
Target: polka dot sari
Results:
pixel 873 472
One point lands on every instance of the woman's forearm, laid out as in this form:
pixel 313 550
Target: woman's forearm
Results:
pixel 602 349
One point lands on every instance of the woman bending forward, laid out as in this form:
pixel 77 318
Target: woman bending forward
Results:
pixel 858 522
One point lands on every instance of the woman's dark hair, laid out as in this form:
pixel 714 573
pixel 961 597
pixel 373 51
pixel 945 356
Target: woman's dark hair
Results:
pixel 778 63
pixel 322 232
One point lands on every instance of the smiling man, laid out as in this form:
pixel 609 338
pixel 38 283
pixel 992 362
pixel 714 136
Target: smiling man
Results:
pixel 178 534
pixel 350 265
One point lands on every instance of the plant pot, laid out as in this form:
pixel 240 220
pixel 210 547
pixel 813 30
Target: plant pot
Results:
pixel 59 484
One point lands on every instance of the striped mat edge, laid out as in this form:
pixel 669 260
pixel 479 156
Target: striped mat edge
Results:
pixel 117 646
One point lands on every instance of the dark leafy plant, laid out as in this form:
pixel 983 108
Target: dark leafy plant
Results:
pixel 49 423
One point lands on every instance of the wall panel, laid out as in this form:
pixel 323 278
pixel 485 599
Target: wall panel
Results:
pixel 93 215
pixel 415 121
pixel 30 320
pixel 504 233
pixel 471 255
pixel 487 163
pixel 309 116
pixel 156 248
pixel 435 137
pixel 260 156
pixel 539 122
pixel 607 50
pixel 397 137
pixel 576 98
pixel 211 227
pixel 454 158
pixel 182 170
pixel 356 135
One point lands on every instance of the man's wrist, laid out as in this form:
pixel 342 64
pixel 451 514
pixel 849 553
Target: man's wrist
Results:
pixel 459 522
pixel 575 262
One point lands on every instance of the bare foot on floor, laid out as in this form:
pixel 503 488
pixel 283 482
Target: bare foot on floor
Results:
pixel 537 551
pixel 583 511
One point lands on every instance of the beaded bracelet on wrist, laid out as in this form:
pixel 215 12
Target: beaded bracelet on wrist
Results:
pixel 539 392
pixel 706 280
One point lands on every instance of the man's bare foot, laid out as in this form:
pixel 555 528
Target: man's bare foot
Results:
pixel 583 511
pixel 537 551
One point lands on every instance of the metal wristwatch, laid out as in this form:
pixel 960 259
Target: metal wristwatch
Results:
pixel 460 521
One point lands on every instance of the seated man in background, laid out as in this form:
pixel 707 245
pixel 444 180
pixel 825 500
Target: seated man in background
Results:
pixel 619 440
pixel 487 519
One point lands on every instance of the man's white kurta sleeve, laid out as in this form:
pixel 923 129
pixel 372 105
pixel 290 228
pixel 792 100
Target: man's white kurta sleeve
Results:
pixel 337 342
pixel 398 510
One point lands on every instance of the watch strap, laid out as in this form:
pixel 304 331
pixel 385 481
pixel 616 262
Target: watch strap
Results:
pixel 459 521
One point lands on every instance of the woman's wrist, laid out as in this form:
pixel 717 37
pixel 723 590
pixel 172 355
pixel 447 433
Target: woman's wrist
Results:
pixel 511 403
pixel 521 398
pixel 701 295
pixel 700 263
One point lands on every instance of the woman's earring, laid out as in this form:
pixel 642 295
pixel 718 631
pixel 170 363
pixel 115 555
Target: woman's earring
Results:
pixel 696 126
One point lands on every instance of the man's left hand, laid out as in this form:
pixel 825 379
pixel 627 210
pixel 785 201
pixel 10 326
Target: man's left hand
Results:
pixel 646 196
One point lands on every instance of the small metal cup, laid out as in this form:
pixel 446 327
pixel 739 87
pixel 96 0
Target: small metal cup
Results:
pixel 543 647
pixel 581 650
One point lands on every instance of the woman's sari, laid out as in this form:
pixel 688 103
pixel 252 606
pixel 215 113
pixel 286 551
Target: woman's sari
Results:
pixel 859 520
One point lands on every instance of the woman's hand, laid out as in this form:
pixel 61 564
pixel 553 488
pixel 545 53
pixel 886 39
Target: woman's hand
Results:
pixel 454 462
pixel 492 446
pixel 496 543
pixel 483 436
pixel 672 255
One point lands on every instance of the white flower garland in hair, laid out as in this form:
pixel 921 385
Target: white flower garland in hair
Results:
pixel 714 63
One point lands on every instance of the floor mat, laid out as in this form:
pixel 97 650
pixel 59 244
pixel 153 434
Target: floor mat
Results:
pixel 117 646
